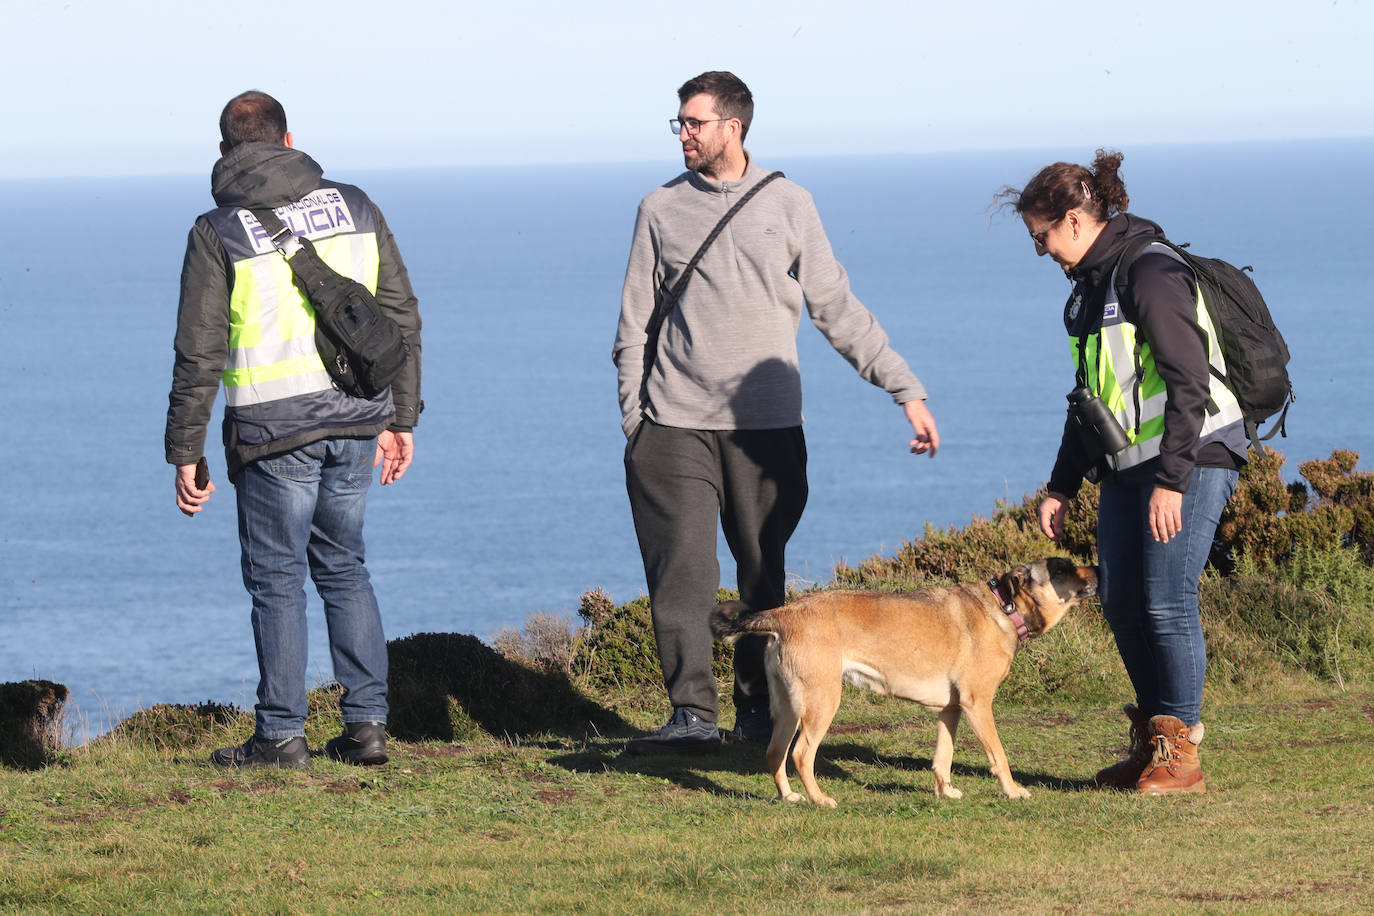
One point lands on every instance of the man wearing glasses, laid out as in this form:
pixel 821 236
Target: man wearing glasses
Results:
pixel 710 396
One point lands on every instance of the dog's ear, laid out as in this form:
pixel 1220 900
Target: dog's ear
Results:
pixel 1021 577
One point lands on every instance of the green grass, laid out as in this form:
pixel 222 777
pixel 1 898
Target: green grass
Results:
pixel 573 826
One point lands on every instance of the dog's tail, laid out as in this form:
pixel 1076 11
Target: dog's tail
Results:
pixel 732 619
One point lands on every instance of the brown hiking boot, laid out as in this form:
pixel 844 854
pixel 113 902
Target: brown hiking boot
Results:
pixel 1174 768
pixel 1124 774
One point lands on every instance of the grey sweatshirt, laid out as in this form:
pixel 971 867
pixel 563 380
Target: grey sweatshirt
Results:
pixel 727 353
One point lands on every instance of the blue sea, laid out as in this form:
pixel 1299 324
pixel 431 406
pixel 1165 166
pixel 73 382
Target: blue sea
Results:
pixel 516 501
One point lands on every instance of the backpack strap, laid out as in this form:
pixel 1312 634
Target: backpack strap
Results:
pixel 668 300
pixel 1121 283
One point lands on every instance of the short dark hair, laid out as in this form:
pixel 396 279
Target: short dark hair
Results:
pixel 732 98
pixel 251 116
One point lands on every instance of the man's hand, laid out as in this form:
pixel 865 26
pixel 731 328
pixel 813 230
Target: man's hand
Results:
pixel 1166 514
pixel 394 454
pixel 1052 511
pixel 923 425
pixel 190 499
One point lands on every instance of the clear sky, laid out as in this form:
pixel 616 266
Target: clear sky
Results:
pixel 135 86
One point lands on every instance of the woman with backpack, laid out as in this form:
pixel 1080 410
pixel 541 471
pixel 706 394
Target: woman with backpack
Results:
pixel 1148 420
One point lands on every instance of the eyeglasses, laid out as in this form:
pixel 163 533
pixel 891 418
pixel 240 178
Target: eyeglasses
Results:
pixel 692 124
pixel 1039 237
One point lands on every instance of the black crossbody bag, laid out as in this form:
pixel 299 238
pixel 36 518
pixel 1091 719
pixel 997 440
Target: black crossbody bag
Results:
pixel 363 349
pixel 668 300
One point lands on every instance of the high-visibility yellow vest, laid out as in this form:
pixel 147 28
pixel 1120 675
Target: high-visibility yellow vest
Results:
pixel 1120 369
pixel 272 352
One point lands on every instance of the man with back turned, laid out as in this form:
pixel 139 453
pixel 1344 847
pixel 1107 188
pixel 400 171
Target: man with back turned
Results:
pixel 299 451
pixel 711 402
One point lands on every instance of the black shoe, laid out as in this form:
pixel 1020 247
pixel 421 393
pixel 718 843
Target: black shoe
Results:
pixel 361 742
pixel 752 723
pixel 287 753
pixel 685 733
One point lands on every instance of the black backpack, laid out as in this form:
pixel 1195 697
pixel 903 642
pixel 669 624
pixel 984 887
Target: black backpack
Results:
pixel 1255 352
pixel 363 349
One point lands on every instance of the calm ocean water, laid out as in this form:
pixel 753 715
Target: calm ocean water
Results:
pixel 516 500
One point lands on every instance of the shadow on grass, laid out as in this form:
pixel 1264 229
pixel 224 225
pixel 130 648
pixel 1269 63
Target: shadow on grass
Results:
pixel 688 771
pixel 862 754
pixel 453 687
pixel 691 771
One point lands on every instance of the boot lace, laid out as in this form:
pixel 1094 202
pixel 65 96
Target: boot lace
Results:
pixel 1166 753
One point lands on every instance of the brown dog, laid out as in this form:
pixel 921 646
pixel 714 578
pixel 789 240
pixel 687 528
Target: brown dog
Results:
pixel 948 648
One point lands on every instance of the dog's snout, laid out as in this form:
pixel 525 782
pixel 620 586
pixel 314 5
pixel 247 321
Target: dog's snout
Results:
pixel 1090 581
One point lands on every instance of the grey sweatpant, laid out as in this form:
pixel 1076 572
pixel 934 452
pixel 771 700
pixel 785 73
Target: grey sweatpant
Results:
pixel 679 482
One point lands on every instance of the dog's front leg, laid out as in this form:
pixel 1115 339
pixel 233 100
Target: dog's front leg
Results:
pixel 945 730
pixel 979 712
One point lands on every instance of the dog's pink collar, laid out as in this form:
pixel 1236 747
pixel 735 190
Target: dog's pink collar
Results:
pixel 1009 608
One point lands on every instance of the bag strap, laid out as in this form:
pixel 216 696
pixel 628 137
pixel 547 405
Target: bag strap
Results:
pixel 676 292
pixel 668 301
pixel 278 235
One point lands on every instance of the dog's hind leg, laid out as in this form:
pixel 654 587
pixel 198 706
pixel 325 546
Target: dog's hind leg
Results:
pixel 979 711
pixel 785 721
pixel 945 729
pixel 815 721
pixel 786 716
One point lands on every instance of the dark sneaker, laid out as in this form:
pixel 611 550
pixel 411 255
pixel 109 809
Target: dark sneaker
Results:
pixel 752 723
pixel 361 742
pixel 685 733
pixel 287 753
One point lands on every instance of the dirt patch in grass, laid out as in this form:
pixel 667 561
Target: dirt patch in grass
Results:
pixel 555 796
pixel 343 787
pixel 1319 704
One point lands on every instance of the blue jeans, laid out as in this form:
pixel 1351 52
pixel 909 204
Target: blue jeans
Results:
pixel 298 511
pixel 1149 589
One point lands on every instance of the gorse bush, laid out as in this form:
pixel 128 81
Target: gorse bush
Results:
pixel 1269 523
pixel 616 651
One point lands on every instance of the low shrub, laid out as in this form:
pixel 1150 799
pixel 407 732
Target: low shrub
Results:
pixel 32 720
pixel 617 653
pixel 176 726
pixel 1268 522
pixel 546 640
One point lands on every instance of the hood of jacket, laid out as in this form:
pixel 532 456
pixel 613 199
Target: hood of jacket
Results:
pixel 1123 232
pixel 260 174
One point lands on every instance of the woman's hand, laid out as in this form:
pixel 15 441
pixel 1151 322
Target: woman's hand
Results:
pixel 1166 514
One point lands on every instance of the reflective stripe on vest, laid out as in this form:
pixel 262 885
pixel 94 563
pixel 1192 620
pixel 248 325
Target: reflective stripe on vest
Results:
pixel 1121 371
pixel 272 351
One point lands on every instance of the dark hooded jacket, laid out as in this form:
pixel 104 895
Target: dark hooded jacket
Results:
pixel 1161 301
pixel 256 175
